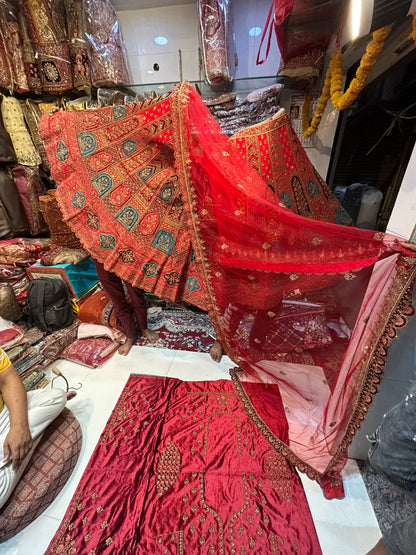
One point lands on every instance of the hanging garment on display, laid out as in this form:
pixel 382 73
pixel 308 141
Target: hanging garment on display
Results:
pixel 216 40
pixel 295 182
pixel 46 26
pixel 30 187
pixel 14 123
pixel 303 30
pixel 32 114
pixel 108 60
pixel 158 194
pixel 77 44
pixel 180 468
pixel 28 55
pixel 9 29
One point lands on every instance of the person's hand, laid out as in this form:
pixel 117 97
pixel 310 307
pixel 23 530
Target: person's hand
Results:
pixel 17 444
pixel 408 246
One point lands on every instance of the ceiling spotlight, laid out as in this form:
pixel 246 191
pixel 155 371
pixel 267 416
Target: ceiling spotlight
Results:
pixel 161 41
pixel 254 31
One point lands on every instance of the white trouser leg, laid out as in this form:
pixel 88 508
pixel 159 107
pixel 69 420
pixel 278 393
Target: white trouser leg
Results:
pixel 44 405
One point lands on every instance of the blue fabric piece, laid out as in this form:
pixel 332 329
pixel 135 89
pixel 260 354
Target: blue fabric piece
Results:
pixel 80 277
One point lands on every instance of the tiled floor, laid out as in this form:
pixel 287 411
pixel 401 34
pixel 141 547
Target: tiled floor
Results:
pixel 344 527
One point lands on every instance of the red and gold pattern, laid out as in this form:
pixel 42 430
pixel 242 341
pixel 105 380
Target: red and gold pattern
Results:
pixel 178 211
pixel 273 149
pixel 180 468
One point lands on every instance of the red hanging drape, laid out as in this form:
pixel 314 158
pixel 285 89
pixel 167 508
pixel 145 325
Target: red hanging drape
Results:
pixel 306 308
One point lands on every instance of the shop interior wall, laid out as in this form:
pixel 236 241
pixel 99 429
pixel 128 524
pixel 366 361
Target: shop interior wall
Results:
pixel 179 25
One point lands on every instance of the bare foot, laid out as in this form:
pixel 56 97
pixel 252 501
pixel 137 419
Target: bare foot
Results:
pixel 70 394
pixel 216 351
pixel 378 549
pixel 126 347
pixel 150 335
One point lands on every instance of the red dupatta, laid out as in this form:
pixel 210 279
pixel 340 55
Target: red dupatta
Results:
pixel 306 308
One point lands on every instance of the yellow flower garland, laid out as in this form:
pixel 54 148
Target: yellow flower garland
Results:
pixel 413 33
pixel 333 81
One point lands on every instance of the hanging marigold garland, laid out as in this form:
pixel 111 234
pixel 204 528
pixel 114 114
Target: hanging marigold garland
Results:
pixel 413 33
pixel 333 81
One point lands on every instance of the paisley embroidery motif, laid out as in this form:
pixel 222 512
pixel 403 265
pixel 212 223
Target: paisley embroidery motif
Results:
pixel 168 468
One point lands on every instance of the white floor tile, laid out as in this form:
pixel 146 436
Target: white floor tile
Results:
pixel 33 540
pixel 199 367
pixel 344 527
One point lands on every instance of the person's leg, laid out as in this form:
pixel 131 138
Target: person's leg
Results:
pixel 113 286
pixel 393 449
pixel 44 405
pixel 140 311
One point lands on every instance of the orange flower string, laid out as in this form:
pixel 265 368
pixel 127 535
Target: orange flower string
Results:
pixel 333 81
pixel 413 33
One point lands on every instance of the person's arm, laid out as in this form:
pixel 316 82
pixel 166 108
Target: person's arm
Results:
pixel 409 246
pixel 18 441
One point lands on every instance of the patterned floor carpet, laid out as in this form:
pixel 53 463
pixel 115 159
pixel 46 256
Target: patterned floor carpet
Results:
pixel 180 329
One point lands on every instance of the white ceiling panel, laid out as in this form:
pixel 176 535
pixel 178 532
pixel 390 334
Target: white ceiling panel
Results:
pixel 124 5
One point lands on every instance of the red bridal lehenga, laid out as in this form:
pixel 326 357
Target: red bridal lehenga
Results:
pixel 304 308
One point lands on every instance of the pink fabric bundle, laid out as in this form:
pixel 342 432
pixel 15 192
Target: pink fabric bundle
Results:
pixel 91 352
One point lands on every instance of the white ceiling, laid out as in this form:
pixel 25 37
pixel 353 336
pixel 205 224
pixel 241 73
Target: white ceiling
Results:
pixel 123 5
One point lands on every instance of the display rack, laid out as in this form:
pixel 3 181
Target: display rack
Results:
pixel 240 86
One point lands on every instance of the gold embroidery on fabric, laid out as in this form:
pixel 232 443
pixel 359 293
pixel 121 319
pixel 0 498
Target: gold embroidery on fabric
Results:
pixel 238 429
pixel 349 276
pixel 164 540
pixel 213 513
pixel 168 468
pixel 242 509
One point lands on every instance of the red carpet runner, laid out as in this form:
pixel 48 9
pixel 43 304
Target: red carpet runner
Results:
pixel 181 469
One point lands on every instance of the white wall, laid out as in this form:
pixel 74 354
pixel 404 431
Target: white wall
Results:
pixel 179 24
pixel 403 218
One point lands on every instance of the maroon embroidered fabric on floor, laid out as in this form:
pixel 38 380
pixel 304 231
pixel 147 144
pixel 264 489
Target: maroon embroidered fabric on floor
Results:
pixel 180 468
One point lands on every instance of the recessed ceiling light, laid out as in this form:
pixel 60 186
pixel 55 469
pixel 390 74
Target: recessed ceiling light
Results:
pixel 161 40
pixel 254 31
